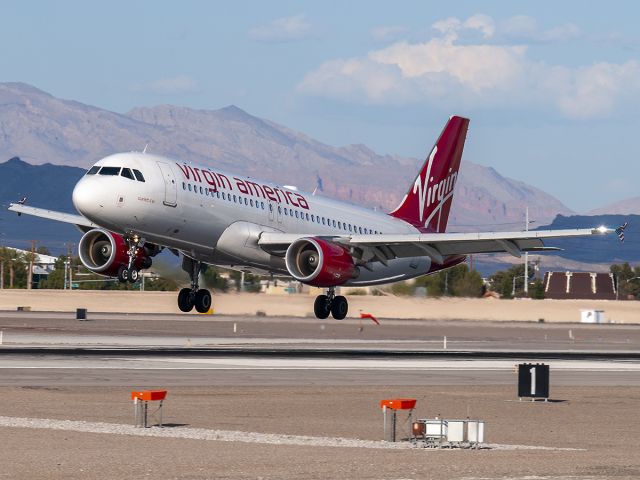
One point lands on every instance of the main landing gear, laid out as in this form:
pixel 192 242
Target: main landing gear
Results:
pixel 195 296
pixel 331 304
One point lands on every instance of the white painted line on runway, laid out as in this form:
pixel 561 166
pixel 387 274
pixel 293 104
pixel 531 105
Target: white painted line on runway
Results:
pixel 224 435
pixel 250 363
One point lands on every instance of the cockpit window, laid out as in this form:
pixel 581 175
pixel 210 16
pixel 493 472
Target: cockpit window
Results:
pixel 138 175
pixel 93 170
pixel 126 173
pixel 110 171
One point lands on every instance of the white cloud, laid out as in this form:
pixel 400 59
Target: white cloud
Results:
pixel 448 72
pixel 172 85
pixel 281 30
pixel 451 28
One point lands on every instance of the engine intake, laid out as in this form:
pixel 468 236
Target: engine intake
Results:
pixel 105 252
pixel 320 263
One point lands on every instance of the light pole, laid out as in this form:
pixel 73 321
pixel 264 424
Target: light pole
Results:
pixel 513 283
pixel 526 254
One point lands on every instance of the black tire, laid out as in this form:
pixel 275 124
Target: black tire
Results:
pixel 185 300
pixel 203 301
pixel 133 275
pixel 123 274
pixel 321 307
pixel 339 307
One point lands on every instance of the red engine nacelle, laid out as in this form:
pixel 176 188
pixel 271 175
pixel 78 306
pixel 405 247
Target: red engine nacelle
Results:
pixel 105 252
pixel 320 263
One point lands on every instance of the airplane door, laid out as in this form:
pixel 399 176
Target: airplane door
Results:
pixel 170 187
pixel 271 215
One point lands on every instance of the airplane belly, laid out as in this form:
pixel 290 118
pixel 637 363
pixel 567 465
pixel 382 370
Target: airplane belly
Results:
pixel 238 245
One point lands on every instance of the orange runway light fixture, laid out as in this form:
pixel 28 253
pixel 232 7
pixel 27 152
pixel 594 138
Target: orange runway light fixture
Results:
pixel 398 403
pixel 149 395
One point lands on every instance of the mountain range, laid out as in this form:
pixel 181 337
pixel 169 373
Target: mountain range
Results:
pixel 40 128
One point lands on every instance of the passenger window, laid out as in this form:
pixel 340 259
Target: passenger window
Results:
pixel 296 213
pixel 235 199
pixel 184 186
pixel 246 202
pixel 323 222
pixel 110 171
pixel 279 209
pixel 93 170
pixel 360 230
pixel 291 212
pixel 189 187
pixel 224 196
pixel 340 225
pixel 334 223
pixel 251 202
pixel 350 228
pixel 285 212
pixel 200 189
pixel 262 206
pixel 307 215
pixel 138 175
pixel 206 192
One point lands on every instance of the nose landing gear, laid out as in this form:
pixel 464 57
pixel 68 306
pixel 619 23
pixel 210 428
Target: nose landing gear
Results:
pixel 197 297
pixel 327 304
pixel 130 273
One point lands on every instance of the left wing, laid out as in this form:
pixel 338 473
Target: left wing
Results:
pixel 77 220
pixel 437 246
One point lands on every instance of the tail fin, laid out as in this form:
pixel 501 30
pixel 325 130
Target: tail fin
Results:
pixel 426 206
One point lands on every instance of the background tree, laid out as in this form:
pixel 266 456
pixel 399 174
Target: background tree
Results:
pixel 502 281
pixel 627 280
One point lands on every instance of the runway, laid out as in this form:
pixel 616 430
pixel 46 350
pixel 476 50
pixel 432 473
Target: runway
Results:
pixel 249 395
pixel 55 349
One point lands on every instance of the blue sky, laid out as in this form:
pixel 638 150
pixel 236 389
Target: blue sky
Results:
pixel 552 88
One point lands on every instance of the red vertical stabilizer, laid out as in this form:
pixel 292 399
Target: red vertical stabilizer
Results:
pixel 427 204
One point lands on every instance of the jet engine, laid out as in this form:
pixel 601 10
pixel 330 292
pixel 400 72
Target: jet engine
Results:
pixel 105 252
pixel 320 263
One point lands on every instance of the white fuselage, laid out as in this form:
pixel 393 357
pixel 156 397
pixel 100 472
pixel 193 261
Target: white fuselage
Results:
pixel 217 218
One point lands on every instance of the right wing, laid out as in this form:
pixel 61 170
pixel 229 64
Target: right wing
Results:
pixel 437 246
pixel 78 220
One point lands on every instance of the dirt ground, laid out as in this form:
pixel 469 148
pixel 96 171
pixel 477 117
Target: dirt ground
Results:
pixel 602 424
pixel 302 305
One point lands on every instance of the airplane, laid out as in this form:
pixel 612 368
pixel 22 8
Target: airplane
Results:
pixel 133 205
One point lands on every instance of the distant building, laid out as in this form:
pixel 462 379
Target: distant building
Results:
pixel 579 285
pixel 43 265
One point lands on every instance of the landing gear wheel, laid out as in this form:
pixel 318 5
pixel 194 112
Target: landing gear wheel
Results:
pixel 339 307
pixel 123 274
pixel 185 300
pixel 322 307
pixel 203 301
pixel 133 275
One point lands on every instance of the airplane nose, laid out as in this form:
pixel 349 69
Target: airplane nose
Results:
pixel 84 198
